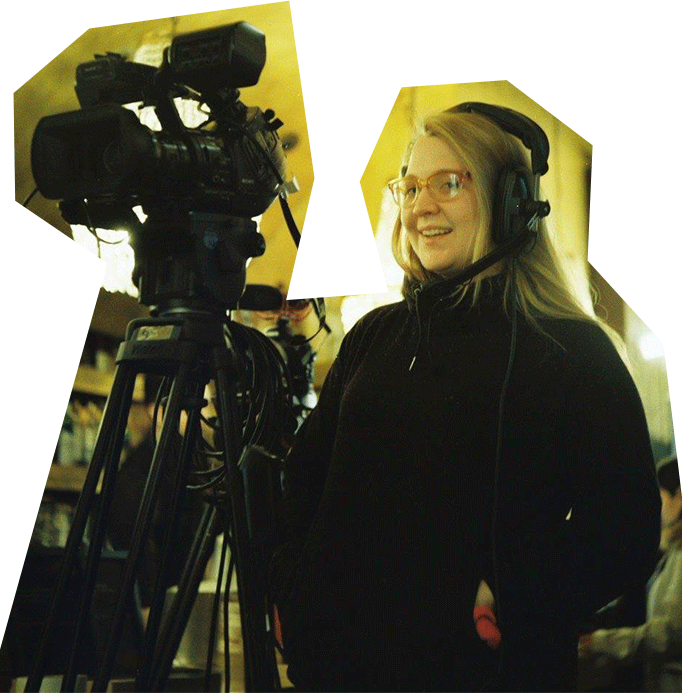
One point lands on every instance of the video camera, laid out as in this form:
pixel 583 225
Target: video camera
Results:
pixel 198 187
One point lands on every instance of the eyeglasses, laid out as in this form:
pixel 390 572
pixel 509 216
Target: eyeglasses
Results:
pixel 443 186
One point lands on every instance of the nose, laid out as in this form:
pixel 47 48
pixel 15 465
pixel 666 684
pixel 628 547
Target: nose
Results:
pixel 424 202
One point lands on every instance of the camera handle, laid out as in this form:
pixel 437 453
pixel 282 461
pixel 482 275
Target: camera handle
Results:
pixel 191 349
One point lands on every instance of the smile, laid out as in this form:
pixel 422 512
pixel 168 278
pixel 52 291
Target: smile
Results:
pixel 434 232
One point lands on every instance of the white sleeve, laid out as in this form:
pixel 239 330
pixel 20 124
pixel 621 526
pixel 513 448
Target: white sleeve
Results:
pixel 661 636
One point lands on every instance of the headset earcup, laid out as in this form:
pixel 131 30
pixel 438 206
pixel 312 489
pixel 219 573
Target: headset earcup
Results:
pixel 512 192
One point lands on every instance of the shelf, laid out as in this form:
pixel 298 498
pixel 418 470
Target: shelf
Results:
pixel 90 381
pixel 65 478
pixel 113 312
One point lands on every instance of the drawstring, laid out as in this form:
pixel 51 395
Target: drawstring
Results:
pixel 417 291
pixel 428 326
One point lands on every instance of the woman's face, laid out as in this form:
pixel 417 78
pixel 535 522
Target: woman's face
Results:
pixel 441 233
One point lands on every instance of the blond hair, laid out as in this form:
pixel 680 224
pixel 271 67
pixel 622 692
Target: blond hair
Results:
pixel 540 282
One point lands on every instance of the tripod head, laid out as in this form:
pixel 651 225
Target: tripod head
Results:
pixel 188 259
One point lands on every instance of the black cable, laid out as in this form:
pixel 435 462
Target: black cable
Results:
pixel 93 230
pixel 269 393
pixel 233 337
pixel 323 326
pixel 272 362
pixel 289 218
pixel 209 423
pixel 208 476
pixel 208 484
pixel 318 303
pixel 206 472
pixel 30 197
pixel 498 457
pixel 203 447
pixel 267 399
pixel 209 453
pixel 157 406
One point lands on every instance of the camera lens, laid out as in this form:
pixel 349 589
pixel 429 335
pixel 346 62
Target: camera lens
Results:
pixel 112 158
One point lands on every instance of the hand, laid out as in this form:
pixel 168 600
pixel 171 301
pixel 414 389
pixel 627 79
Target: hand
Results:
pixel 486 626
pixel 484 596
pixel 484 617
pixel 585 645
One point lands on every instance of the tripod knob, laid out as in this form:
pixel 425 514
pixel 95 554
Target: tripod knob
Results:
pixel 253 245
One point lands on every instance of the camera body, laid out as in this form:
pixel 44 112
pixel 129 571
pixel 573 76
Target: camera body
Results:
pixel 199 188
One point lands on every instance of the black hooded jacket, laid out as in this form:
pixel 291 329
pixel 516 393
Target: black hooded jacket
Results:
pixel 390 495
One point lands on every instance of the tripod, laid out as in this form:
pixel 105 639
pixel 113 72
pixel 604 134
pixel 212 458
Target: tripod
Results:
pixel 191 346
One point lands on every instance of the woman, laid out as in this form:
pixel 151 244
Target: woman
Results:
pixel 444 456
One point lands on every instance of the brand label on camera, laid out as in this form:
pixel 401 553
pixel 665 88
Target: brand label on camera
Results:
pixel 154 332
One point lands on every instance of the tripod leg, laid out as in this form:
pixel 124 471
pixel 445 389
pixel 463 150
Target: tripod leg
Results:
pixel 183 467
pixel 251 597
pixel 215 611
pixel 143 522
pixel 97 540
pixel 179 613
pixel 118 401
pixel 226 618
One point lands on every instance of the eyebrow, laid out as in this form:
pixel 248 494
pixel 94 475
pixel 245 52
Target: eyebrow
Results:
pixel 440 170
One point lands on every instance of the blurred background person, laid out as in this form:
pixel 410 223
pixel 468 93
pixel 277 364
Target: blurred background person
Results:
pixel 658 642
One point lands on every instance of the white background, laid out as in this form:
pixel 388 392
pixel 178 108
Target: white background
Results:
pixel 608 70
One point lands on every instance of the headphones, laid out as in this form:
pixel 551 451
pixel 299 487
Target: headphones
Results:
pixel 515 205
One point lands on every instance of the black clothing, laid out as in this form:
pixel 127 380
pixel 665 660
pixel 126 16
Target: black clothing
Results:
pixel 389 496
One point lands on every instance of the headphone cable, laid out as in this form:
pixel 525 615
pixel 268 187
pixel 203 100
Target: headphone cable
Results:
pixel 498 456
